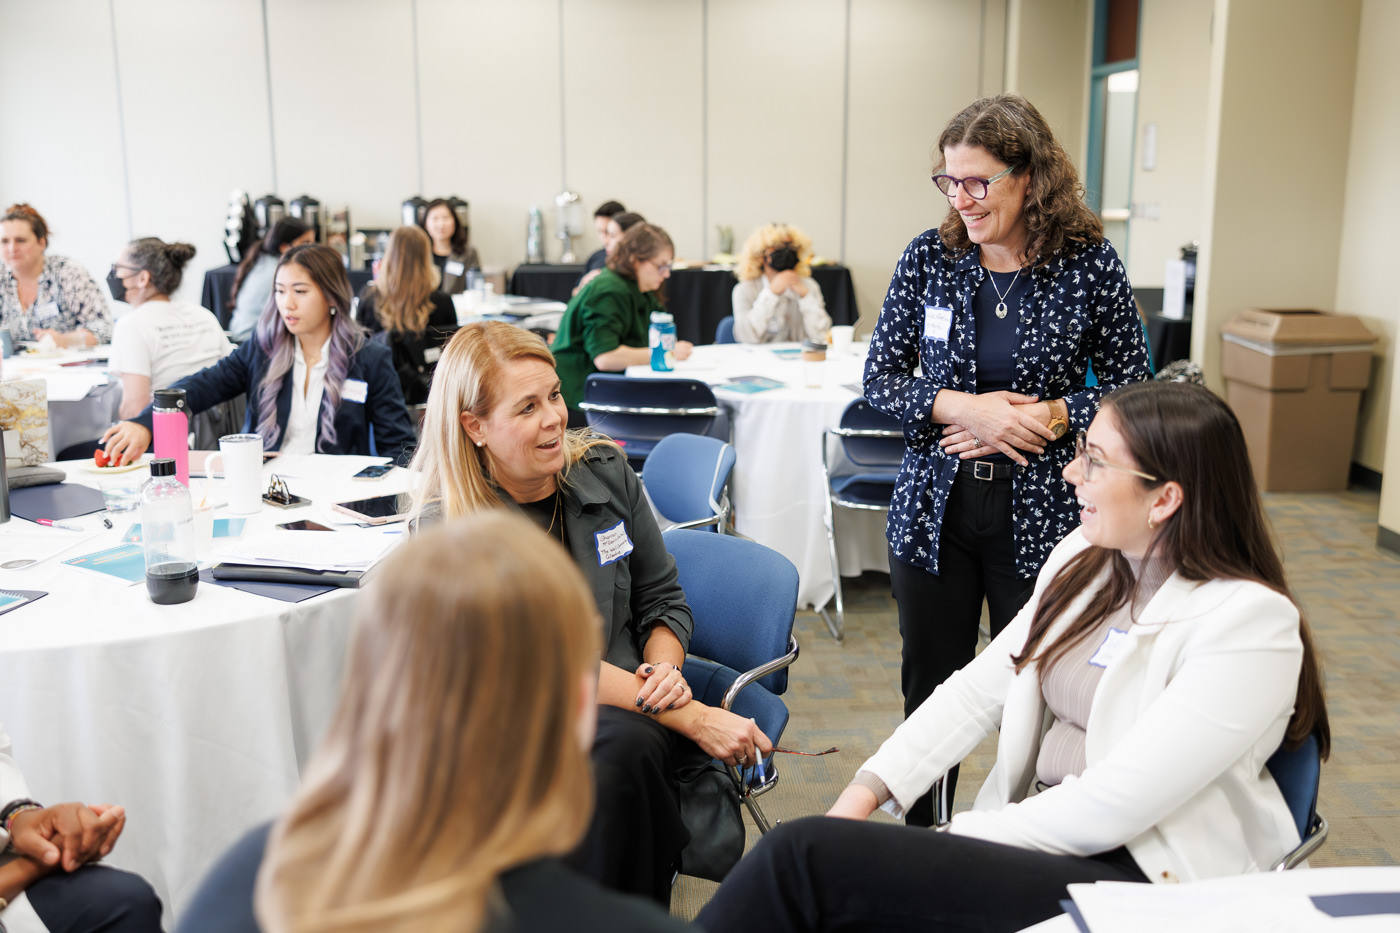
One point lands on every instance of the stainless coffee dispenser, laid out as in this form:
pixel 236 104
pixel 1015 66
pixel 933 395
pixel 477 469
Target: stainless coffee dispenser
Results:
pixel 412 211
pixel 267 210
pixel 308 210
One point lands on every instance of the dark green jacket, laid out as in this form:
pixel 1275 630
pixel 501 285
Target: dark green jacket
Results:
pixel 607 313
pixel 638 590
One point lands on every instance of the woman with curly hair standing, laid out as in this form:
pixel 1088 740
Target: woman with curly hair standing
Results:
pixel 776 298
pixel 982 350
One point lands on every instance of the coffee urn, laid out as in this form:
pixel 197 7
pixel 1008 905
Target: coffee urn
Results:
pixel 413 210
pixel 308 210
pixel 267 210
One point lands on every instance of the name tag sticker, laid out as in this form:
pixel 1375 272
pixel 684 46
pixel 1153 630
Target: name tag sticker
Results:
pixel 937 323
pixel 46 310
pixel 1113 644
pixel 354 390
pixel 613 544
pixel 432 354
pixel 453 268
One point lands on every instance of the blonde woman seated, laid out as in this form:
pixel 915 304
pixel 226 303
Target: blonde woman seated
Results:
pixel 404 310
pixel 455 771
pixel 1159 664
pixel 494 438
pixel 776 298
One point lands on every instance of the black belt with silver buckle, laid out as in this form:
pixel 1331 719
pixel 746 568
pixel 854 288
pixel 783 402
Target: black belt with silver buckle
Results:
pixel 987 469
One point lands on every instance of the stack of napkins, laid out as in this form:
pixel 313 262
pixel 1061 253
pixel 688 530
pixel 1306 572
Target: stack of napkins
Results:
pixel 343 551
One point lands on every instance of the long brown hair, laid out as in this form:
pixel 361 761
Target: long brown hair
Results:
pixel 407 280
pixel 1010 128
pixel 455 751
pixel 457 476
pixel 1184 433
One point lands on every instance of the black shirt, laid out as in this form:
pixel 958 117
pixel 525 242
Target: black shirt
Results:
pixel 996 336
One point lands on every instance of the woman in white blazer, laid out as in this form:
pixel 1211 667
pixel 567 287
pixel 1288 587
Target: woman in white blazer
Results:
pixel 1157 666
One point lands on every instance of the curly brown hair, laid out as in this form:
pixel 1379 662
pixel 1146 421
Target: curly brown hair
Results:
pixel 1010 128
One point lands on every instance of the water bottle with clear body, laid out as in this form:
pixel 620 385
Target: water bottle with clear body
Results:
pixel 662 337
pixel 167 532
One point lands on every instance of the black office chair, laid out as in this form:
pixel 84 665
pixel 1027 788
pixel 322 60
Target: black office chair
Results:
pixel 639 412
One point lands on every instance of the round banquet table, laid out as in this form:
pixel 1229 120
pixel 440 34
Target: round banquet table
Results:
pixel 198 718
pixel 777 489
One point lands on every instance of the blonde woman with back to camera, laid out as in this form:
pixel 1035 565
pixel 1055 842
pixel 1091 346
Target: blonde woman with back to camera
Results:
pixel 777 299
pixel 455 771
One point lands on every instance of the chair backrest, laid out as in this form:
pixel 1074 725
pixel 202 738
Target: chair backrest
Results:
pixel 870 437
pixel 724 330
pixel 686 474
pixel 743 596
pixel 1298 773
pixel 648 409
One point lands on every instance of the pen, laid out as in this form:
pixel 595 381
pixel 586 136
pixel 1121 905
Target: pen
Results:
pixel 53 524
pixel 758 758
pixel 107 522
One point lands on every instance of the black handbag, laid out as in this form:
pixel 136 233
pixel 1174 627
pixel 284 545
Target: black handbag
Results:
pixel 710 812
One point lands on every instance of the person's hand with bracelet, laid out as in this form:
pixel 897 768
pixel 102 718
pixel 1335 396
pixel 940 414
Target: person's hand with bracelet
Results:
pixel 66 835
pixel 661 684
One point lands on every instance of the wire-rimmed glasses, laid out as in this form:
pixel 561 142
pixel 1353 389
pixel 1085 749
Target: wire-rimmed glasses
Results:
pixel 1081 451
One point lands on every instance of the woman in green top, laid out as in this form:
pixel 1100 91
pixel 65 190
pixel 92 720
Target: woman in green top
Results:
pixel 605 326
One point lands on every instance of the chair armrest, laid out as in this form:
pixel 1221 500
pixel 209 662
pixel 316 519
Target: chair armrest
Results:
pixel 695 523
pixel 1307 847
pixel 763 670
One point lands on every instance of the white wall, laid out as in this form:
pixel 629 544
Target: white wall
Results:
pixel 1369 241
pixel 1173 80
pixel 695 112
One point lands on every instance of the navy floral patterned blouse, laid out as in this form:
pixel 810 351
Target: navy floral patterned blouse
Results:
pixel 1080 310
pixel 68 299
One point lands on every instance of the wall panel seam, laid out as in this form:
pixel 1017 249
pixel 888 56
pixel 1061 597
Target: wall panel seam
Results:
pixel 845 129
pixel 121 120
pixel 267 68
pixel 704 126
pixel 417 91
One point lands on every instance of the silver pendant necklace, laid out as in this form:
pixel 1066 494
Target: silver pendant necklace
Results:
pixel 1001 296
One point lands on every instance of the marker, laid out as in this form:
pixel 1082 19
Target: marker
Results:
pixel 53 524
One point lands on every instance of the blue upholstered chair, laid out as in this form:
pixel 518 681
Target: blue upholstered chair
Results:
pixel 724 330
pixel 744 598
pixel 686 478
pixel 639 412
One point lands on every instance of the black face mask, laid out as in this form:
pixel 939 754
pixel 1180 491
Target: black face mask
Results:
pixel 783 258
pixel 116 286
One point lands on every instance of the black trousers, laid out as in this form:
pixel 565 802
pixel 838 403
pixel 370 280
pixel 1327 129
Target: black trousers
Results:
pixel 95 898
pixel 822 873
pixel 939 615
pixel 634 843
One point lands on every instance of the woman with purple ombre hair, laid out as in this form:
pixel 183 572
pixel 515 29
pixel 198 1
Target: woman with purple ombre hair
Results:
pixel 315 384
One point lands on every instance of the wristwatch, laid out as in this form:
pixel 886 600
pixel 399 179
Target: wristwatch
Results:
pixel 1059 418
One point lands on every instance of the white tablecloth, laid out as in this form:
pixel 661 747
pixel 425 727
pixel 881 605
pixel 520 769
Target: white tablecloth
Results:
pixel 778 491
pixel 198 717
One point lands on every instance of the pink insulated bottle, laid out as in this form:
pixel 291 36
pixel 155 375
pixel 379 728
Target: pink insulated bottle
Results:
pixel 171 427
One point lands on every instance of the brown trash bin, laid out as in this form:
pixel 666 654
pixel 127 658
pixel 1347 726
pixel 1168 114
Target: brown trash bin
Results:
pixel 1294 379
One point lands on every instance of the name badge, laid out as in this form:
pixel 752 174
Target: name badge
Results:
pixel 613 544
pixel 45 311
pixel 432 354
pixel 1113 644
pixel 937 323
pixel 453 268
pixel 354 390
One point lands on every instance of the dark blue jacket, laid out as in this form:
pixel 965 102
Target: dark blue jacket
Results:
pixel 382 411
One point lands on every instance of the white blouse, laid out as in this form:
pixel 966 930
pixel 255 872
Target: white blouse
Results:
pixel 299 436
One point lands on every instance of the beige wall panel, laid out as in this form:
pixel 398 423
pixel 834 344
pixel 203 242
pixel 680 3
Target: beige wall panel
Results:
pixel 776 72
pixel 632 105
pixel 1173 82
pixel 60 146
pixel 909 75
pixel 1365 273
pixel 196 120
pixel 343 104
pixel 1049 56
pixel 489 79
pixel 1282 82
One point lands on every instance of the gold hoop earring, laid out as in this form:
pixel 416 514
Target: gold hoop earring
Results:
pixel 1151 525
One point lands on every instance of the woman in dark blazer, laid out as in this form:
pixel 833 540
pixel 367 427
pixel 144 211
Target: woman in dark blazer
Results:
pixel 315 384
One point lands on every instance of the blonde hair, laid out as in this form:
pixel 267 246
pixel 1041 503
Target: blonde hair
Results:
pixel 766 238
pixel 407 280
pixel 456 474
pixel 455 750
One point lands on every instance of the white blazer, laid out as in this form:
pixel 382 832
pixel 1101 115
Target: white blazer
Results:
pixel 1183 720
pixel 12 785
